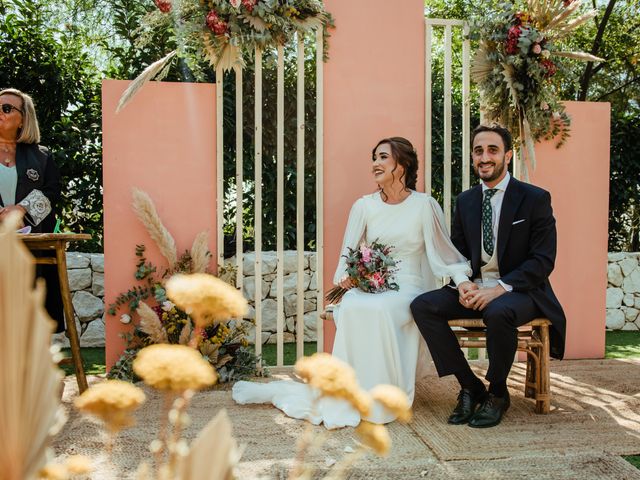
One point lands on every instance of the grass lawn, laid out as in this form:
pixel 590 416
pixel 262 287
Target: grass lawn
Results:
pixel 618 345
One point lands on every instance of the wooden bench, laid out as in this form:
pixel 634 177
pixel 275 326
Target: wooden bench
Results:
pixel 533 339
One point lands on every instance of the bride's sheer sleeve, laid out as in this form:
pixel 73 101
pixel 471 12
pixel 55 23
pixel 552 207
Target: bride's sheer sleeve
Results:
pixel 353 234
pixel 444 259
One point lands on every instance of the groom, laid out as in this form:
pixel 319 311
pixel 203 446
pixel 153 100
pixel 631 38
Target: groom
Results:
pixel 507 229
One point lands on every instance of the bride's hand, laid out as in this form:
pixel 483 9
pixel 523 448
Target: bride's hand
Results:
pixel 347 283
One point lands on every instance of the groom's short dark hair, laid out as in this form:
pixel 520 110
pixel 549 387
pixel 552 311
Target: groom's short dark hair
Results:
pixel 499 129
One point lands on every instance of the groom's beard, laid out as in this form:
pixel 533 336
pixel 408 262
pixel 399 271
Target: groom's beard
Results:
pixel 498 168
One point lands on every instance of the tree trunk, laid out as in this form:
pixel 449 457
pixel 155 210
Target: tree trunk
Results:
pixel 585 80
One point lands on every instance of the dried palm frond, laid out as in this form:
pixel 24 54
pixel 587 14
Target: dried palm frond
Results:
pixel 209 50
pixel 563 30
pixel 31 382
pixel 585 57
pixel 205 463
pixel 147 74
pixel 200 254
pixel 230 57
pixel 185 334
pixel 151 324
pixel 146 212
pixel 481 66
pixel 563 15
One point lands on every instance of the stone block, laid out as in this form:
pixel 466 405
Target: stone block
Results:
pixel 291 261
pixel 614 297
pixel 93 336
pixel 628 265
pixel 312 258
pixel 631 283
pixel 79 279
pixel 290 285
pixel 78 260
pixel 616 256
pixel 630 314
pixel 97 262
pixel 615 319
pixel 629 326
pixel 290 305
pixel 268 263
pixel 313 284
pixel 269 315
pixel 310 327
pixel 97 286
pixel 636 301
pixel 614 275
pixel 286 338
pixel 249 288
pixel 87 306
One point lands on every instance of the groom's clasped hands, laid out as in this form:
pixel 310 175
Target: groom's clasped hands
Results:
pixel 476 298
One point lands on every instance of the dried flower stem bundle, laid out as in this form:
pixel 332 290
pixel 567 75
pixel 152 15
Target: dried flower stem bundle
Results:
pixel 146 212
pixel 29 408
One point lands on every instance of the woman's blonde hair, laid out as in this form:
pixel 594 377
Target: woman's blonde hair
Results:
pixel 30 131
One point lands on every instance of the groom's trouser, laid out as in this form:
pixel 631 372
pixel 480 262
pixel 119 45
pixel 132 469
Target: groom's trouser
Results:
pixel 502 316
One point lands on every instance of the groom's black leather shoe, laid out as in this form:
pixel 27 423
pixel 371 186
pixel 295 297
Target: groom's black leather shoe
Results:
pixel 468 400
pixel 490 412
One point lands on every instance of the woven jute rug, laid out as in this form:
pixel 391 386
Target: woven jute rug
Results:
pixel 595 418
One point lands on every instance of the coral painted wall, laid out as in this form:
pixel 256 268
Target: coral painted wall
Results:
pixel 163 142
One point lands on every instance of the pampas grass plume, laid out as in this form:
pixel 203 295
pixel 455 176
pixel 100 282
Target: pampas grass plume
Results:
pixel 146 212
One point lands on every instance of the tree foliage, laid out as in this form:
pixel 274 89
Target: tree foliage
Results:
pixel 46 62
pixel 613 34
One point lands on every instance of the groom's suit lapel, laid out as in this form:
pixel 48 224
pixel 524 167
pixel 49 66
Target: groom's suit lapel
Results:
pixel 513 196
pixel 475 218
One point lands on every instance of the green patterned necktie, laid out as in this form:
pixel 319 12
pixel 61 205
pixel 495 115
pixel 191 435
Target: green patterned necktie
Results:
pixel 487 220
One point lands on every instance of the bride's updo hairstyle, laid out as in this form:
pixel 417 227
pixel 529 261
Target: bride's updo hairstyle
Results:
pixel 404 154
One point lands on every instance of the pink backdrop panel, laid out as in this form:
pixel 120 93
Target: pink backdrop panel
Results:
pixel 373 88
pixel 577 176
pixel 163 142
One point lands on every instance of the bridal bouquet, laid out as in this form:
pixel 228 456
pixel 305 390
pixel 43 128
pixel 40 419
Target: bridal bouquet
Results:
pixel 371 267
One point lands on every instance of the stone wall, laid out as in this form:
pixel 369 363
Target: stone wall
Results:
pixel 86 281
pixel 623 291
pixel 270 293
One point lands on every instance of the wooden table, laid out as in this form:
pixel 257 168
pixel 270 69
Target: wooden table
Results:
pixel 57 242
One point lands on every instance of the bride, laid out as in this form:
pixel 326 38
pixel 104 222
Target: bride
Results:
pixel 375 332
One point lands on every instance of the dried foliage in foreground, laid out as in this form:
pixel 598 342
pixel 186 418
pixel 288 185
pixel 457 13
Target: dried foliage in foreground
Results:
pixel 30 379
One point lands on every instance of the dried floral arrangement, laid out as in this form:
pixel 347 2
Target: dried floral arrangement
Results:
pixel 222 32
pixel 177 371
pixel 30 410
pixel 519 53
pixel 163 321
pixel 333 378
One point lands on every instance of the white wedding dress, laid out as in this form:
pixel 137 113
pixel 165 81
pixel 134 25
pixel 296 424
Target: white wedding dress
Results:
pixel 375 333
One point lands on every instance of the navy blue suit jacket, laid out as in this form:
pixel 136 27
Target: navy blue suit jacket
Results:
pixel 526 249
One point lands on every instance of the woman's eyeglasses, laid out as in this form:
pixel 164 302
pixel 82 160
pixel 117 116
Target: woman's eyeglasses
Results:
pixel 7 107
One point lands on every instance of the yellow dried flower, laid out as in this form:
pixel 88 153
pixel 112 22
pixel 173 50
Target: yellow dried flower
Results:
pixel 78 465
pixel 113 402
pixel 333 378
pixel 375 437
pixel 206 298
pixel 174 367
pixel 53 471
pixel 393 399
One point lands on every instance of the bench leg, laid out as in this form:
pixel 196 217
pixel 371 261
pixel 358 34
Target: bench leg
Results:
pixel 543 397
pixel 530 377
